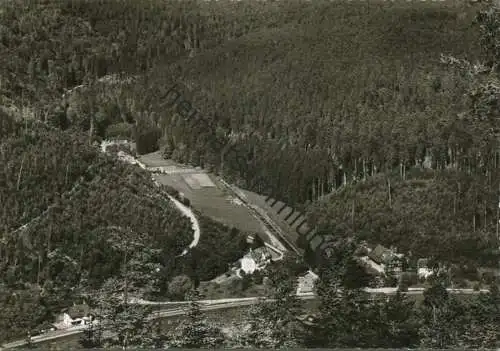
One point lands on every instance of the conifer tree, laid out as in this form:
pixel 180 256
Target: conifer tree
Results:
pixel 196 331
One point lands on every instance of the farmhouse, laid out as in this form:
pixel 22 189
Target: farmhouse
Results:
pixel 73 316
pixel 382 260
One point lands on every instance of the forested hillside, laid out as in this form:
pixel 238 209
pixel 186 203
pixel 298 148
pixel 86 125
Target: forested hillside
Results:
pixel 293 99
pixel 389 108
pixel 72 218
pixel 427 214
pixel 351 86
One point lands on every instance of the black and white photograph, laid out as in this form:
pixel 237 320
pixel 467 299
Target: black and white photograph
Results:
pixel 250 174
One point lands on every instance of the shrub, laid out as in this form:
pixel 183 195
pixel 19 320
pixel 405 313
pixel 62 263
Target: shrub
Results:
pixel 171 190
pixel 258 277
pixel 147 140
pixel 120 131
pixel 407 279
pixel 488 278
pixel 179 286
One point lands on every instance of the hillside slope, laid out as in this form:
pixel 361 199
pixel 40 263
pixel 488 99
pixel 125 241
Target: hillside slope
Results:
pixel 448 216
pixel 73 218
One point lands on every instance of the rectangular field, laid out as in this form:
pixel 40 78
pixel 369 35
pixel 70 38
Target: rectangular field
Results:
pixel 197 181
pixel 213 202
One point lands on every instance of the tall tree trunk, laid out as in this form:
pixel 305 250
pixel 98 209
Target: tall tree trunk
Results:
pixel 455 205
pixel 39 266
pixel 485 210
pixel 20 173
pixel 364 169
pixel 313 189
pixel 355 175
pixel 352 215
pixel 474 222
pixel 389 192
pixel 66 175
pixel 498 218
pixel 49 238
pixel 91 131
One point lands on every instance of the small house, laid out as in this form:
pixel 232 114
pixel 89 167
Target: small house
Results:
pixel 74 316
pixel 255 260
pixel 387 260
pixel 380 254
pixel 306 283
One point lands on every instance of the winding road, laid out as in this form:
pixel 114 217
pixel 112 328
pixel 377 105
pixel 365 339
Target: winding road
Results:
pixel 194 222
pixel 186 211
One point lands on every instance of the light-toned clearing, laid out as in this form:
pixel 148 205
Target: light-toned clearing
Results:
pixel 198 180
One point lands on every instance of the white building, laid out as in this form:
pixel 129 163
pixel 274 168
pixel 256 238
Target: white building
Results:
pixel 248 265
pixel 306 283
pixel 423 271
pixel 75 315
pixel 255 260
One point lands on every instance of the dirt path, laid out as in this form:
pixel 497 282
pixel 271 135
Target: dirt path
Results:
pixel 194 222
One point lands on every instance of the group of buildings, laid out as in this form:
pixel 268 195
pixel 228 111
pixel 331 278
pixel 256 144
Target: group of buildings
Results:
pixel 379 261
pixel 382 261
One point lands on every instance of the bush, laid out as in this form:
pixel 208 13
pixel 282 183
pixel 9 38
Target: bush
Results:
pixel 147 140
pixel 488 278
pixel 403 286
pixel 258 277
pixel 121 147
pixel 407 279
pixel 120 131
pixel 246 282
pixel 171 191
pixel 179 286
pixel 186 202
pixel 390 281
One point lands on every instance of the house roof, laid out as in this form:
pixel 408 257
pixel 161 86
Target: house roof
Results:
pixel 248 265
pixel 78 311
pixel 259 253
pixel 380 254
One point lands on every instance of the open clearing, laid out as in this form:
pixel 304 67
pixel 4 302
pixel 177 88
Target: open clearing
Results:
pixel 205 192
pixel 197 181
pixel 209 196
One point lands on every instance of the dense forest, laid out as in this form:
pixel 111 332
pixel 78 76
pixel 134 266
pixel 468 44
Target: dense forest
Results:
pixel 72 218
pixel 379 118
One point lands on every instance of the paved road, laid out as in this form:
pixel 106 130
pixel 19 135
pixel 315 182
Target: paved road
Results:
pixel 45 337
pixel 210 305
pixel 207 305
pixel 220 303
